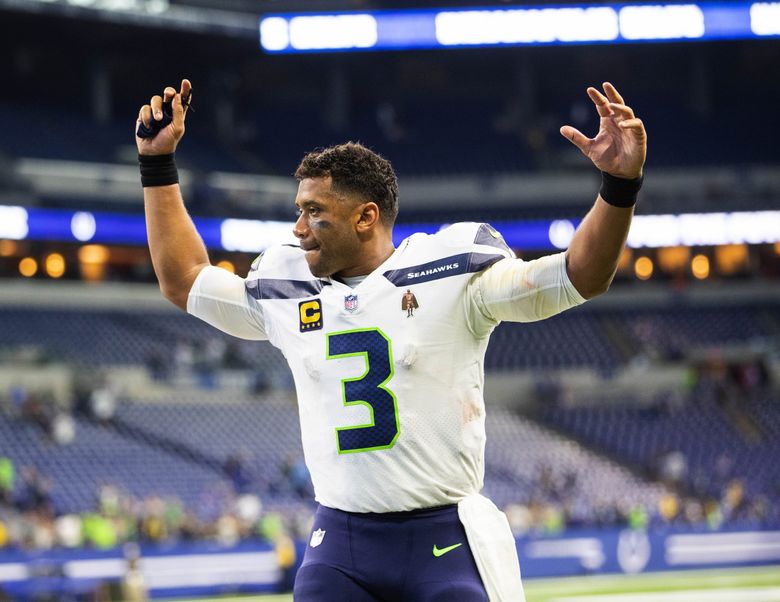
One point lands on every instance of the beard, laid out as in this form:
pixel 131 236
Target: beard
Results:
pixel 340 254
pixel 321 266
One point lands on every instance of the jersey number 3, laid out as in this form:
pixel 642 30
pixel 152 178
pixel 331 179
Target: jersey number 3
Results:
pixel 368 389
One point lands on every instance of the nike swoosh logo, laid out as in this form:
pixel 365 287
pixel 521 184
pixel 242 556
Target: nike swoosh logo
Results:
pixel 441 552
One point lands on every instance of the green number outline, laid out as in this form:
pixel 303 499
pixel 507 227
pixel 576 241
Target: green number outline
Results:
pixel 381 385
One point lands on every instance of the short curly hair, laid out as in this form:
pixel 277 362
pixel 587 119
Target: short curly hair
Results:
pixel 357 170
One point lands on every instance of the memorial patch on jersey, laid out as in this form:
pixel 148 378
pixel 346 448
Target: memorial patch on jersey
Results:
pixel 454 265
pixel 310 315
pixel 409 303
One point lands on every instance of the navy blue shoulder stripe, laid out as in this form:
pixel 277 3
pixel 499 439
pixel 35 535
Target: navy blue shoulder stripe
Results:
pixel 454 265
pixel 488 235
pixel 269 288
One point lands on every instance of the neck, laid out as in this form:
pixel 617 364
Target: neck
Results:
pixel 371 257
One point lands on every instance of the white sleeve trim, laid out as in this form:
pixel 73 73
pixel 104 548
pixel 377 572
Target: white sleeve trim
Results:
pixel 219 298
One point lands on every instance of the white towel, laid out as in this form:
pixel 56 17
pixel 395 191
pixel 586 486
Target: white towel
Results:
pixel 493 547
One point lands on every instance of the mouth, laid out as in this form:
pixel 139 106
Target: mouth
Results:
pixel 310 247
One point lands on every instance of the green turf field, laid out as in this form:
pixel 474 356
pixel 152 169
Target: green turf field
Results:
pixel 727 585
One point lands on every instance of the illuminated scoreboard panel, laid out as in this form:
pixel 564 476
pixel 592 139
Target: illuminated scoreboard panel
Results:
pixel 499 26
pixel 254 236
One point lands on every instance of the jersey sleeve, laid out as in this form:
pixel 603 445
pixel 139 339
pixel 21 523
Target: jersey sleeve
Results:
pixel 522 291
pixel 220 298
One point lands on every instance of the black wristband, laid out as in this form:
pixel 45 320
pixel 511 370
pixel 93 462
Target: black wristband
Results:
pixel 620 192
pixel 158 170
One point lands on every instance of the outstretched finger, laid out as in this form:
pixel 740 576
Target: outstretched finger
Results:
pixel 168 93
pixel 179 104
pixel 622 110
pixel 577 138
pixel 612 93
pixel 156 105
pixel 178 111
pixel 186 93
pixel 145 115
pixel 601 102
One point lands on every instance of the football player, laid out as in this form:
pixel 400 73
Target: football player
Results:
pixel 391 408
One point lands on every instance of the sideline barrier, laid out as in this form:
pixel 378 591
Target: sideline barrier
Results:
pixel 181 570
pixel 207 569
pixel 631 552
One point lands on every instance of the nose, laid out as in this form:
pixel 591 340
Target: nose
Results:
pixel 300 228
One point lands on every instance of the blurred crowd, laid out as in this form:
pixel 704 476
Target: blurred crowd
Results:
pixel 558 505
pixel 232 510
pixel 226 514
pixel 29 520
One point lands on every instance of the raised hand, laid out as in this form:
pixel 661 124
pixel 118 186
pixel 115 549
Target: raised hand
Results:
pixel 620 147
pixel 168 137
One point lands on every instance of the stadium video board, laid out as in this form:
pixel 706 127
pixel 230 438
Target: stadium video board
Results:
pixel 501 26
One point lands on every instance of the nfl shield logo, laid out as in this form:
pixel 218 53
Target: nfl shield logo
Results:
pixel 350 303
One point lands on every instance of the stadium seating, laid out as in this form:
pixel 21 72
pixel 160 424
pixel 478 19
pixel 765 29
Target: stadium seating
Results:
pixel 672 330
pixel 182 449
pixel 183 442
pixel 716 448
pixel 56 133
pixel 101 456
pixel 264 434
pixel 119 338
pixel 583 337
pixel 573 339
pixel 519 453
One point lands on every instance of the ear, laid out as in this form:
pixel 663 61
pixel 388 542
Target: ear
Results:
pixel 368 217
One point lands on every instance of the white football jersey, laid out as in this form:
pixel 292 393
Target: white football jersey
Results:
pixel 389 374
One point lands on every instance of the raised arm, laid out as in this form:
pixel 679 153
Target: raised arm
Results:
pixel 618 150
pixel 178 253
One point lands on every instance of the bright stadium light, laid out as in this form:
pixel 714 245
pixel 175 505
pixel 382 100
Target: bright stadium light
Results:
pixel 703 229
pixel 7 248
pixel 13 222
pixel 561 232
pixel 28 267
pixel 688 229
pixel 661 22
pixel 254 236
pixel 55 265
pixel 699 229
pixel 83 226
pixel 274 34
pixel 93 254
pixel 653 231
pixel 765 18
pixel 335 32
pixel 643 268
pixel 129 6
pixel 700 267
pixel 479 27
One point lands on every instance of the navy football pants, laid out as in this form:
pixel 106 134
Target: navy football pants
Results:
pixel 418 556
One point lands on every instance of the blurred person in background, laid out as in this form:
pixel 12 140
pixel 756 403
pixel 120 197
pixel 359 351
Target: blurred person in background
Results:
pixel 133 586
pixel 413 465
pixel 7 481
